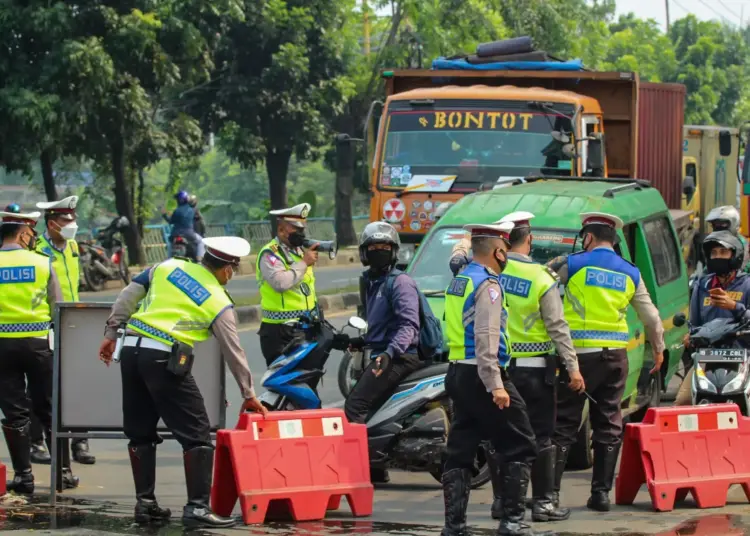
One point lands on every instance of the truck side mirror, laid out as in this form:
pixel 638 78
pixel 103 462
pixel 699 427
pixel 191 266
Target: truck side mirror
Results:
pixel 688 186
pixel 725 143
pixel 595 163
pixel 679 320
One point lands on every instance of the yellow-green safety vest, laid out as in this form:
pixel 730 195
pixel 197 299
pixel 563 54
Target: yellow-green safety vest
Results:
pixel 24 311
pixel 281 307
pixel 525 283
pixel 182 302
pixel 460 302
pixel 599 289
pixel 66 263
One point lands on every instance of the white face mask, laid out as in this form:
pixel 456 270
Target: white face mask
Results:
pixel 69 231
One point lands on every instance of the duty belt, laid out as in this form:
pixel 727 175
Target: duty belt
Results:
pixel 529 347
pixel 283 315
pixel 530 362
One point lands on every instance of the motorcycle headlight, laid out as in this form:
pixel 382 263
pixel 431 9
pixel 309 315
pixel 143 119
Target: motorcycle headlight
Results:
pixel 737 382
pixel 703 383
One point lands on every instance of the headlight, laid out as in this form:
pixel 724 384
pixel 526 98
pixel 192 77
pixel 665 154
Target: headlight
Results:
pixel 702 381
pixel 737 381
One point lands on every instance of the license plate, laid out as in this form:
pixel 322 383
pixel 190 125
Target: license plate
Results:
pixel 722 354
pixel 269 398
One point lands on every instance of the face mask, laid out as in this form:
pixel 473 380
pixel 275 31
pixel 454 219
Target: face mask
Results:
pixel 69 231
pixel 31 244
pixel 719 267
pixel 502 262
pixel 379 259
pixel 296 239
pixel 585 243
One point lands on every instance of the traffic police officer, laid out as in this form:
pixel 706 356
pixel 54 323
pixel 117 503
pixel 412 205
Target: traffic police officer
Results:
pixel 58 241
pixel 537 326
pixel 29 291
pixel 599 286
pixel 183 303
pixel 285 280
pixel 485 402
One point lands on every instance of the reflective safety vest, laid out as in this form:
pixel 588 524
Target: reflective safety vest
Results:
pixel 525 283
pixel 460 305
pixel 600 287
pixel 24 311
pixel 66 263
pixel 182 303
pixel 281 307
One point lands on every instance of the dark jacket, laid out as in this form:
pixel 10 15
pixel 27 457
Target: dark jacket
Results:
pixel 701 310
pixel 198 223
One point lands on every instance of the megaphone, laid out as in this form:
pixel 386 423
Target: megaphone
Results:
pixel 325 246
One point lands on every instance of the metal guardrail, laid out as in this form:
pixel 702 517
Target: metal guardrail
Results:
pixel 258 233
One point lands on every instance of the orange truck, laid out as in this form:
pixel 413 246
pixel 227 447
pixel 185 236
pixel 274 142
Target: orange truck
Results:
pixel 443 134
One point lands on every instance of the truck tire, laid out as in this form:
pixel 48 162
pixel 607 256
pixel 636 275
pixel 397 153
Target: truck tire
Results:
pixel 581 455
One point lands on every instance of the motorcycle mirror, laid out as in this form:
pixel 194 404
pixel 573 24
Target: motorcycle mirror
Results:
pixel 357 323
pixel 679 320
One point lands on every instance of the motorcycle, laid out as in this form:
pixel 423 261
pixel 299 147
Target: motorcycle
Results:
pixel 181 247
pixel 721 363
pixel 409 431
pixel 105 261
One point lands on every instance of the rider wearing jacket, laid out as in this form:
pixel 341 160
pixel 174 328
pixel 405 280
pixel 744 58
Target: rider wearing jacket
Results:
pixel 182 222
pixel 727 218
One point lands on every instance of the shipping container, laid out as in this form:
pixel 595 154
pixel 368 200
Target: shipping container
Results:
pixel 661 115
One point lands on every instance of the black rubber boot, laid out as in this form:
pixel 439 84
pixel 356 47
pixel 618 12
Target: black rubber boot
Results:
pixel 605 460
pixel 19 448
pixel 515 485
pixel 68 480
pixel 494 463
pixel 39 454
pixel 379 475
pixel 456 489
pixel 81 452
pixel 143 463
pixel 561 459
pixel 542 487
pixel 199 463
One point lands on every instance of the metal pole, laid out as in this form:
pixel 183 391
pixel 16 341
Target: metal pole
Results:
pixel 666 6
pixel 366 24
pixel 54 460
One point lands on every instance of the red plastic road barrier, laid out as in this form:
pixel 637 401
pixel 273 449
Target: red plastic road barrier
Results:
pixel 3 472
pixel 297 463
pixel 696 449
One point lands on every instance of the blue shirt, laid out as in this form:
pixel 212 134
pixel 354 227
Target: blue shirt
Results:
pixel 392 327
pixel 182 219
pixel 701 310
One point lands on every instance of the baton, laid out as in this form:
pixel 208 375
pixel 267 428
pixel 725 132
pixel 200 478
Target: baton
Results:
pixel 589 396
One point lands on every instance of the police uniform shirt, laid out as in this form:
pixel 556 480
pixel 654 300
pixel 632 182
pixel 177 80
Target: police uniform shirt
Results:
pixel 489 320
pixel 701 310
pixel 54 293
pixel 644 307
pixel 273 271
pixel 224 329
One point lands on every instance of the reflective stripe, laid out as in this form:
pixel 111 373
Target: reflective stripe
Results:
pixel 530 362
pixel 151 344
pixel 137 324
pixel 34 327
pixel 283 315
pixel 532 347
pixel 596 335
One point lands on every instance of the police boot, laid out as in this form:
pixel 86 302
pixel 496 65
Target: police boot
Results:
pixel 379 475
pixel 456 488
pixel 199 462
pixel 39 453
pixel 143 463
pixel 81 452
pixel 20 456
pixel 68 480
pixel 605 459
pixel 494 464
pixel 561 460
pixel 542 487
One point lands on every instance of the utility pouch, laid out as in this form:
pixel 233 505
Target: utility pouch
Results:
pixel 180 361
pixel 560 371
pixel 550 371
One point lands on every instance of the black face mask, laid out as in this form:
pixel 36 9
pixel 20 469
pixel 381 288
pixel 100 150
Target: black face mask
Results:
pixel 502 262
pixel 719 267
pixel 296 239
pixel 379 259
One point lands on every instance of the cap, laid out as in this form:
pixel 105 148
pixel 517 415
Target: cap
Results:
pixel 295 215
pixel 29 218
pixel 520 218
pixel 227 248
pixel 600 218
pixel 64 208
pixel 492 230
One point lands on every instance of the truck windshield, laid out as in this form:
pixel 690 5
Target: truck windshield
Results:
pixel 430 268
pixel 446 146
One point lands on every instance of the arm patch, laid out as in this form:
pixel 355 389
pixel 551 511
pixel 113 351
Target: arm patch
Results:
pixel 458 286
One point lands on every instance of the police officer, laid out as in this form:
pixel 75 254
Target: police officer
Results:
pixel 285 280
pixel 486 404
pixel 28 292
pixel 58 241
pixel 183 303
pixel 536 324
pixel 599 286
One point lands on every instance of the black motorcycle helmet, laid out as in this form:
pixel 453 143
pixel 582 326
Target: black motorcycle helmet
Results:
pixel 378 232
pixel 728 240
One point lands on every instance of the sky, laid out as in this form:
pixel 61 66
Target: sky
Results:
pixel 728 11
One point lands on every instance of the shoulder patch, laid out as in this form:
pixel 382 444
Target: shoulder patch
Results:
pixel 552 273
pixel 458 286
pixel 493 292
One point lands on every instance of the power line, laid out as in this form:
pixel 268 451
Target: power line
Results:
pixel 712 9
pixel 727 8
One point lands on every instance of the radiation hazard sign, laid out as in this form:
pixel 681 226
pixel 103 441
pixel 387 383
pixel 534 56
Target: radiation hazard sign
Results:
pixel 394 210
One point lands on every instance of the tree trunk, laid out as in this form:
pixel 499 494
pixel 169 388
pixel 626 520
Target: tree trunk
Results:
pixel 277 167
pixel 48 175
pixel 343 222
pixel 141 195
pixel 123 201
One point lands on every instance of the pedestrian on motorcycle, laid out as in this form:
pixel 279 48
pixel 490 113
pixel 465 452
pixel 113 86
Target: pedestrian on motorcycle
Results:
pixel 199 224
pixel 182 221
pixel 392 327
pixel 727 218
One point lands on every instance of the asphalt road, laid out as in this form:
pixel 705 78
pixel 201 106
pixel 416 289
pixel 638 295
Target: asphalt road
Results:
pixel 327 279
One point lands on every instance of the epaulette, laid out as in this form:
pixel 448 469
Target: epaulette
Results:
pixel 553 274
pixel 556 263
pixel 274 248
